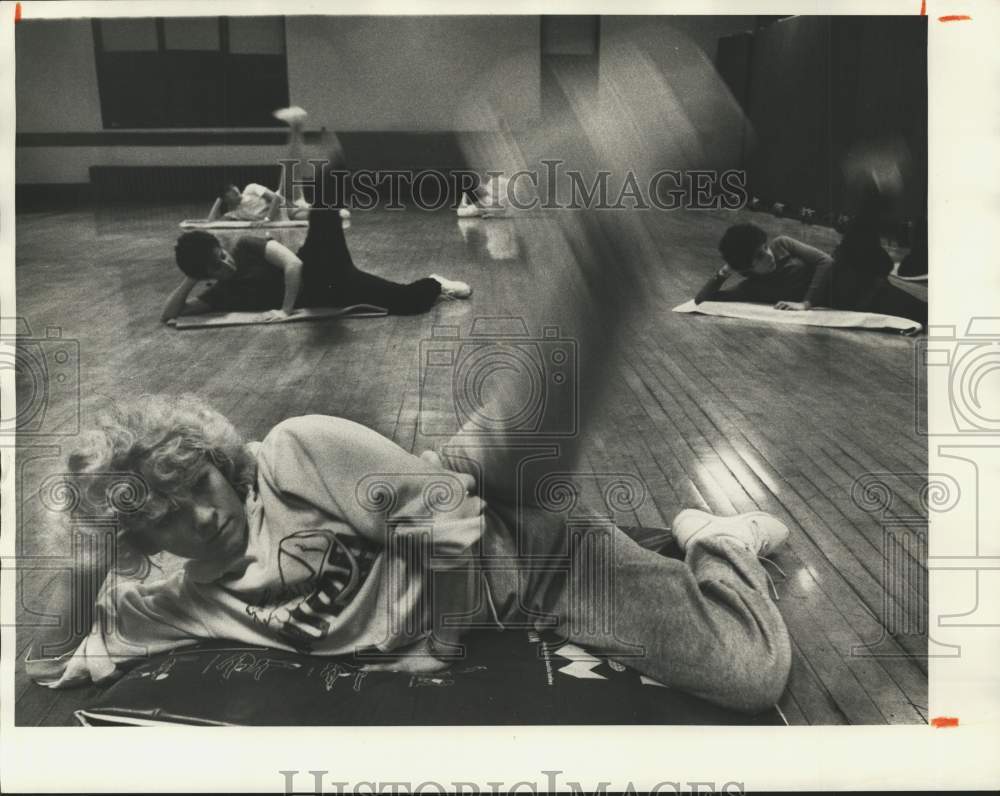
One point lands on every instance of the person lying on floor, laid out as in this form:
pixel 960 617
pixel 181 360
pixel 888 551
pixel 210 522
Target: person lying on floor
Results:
pixel 329 539
pixel 306 542
pixel 792 275
pixel 253 203
pixel 258 203
pixel 261 274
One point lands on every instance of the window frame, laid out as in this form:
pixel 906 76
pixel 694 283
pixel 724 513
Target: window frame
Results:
pixel 162 64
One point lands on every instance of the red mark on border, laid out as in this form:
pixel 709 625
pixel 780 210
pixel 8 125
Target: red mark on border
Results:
pixel 955 18
pixel 944 721
pixel 17 12
pixel 923 8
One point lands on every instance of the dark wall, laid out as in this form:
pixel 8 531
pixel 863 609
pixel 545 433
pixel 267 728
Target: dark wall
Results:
pixel 819 86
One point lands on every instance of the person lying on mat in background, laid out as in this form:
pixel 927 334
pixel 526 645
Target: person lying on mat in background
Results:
pixel 792 275
pixel 253 203
pixel 257 203
pixel 261 274
pixel 780 272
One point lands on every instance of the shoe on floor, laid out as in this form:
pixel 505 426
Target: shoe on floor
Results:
pixel 758 530
pixel 290 115
pixel 345 213
pixel 468 211
pixel 495 201
pixel 453 289
pixel 913 268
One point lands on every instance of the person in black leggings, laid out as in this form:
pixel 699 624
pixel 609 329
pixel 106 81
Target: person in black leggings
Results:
pixel 792 275
pixel 261 274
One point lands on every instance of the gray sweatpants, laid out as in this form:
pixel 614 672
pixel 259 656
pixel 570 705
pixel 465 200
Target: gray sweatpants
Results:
pixel 705 625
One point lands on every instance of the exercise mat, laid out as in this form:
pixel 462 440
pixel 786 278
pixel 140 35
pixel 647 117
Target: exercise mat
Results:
pixel 216 319
pixel 818 316
pixel 509 677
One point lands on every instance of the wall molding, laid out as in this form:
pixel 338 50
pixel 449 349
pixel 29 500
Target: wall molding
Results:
pixel 103 138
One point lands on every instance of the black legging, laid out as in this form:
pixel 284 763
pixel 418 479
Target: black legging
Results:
pixel 329 275
pixel 861 267
pixel 891 300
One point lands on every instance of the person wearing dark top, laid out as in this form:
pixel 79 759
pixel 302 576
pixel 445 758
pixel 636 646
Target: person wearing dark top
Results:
pixel 785 271
pixel 792 275
pixel 263 275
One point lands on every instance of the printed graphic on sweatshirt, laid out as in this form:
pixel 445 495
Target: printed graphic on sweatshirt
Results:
pixel 321 572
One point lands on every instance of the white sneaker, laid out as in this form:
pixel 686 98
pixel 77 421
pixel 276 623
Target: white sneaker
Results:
pixel 345 213
pixel 290 115
pixel 757 530
pixel 495 201
pixel 453 289
pixel 467 209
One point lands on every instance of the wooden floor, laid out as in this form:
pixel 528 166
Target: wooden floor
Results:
pixel 715 413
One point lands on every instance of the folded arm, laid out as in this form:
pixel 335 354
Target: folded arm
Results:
pixel 275 201
pixel 284 258
pixel 711 288
pixel 126 621
pixel 179 303
pixel 216 212
pixel 367 481
pixel 818 293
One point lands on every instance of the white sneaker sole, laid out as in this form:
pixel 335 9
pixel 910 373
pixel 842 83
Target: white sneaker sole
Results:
pixel 734 527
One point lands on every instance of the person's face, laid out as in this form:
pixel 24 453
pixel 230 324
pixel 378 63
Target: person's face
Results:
pixel 232 197
pixel 209 524
pixel 224 265
pixel 763 261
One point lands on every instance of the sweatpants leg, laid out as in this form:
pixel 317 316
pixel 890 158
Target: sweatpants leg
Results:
pixel 705 625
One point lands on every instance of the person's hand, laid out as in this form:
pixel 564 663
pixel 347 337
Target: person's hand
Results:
pixel 300 626
pixel 415 659
pixel 433 458
pixel 277 315
pixel 793 305
pixel 725 272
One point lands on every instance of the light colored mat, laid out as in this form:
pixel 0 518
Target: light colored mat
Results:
pixel 820 316
pixel 216 319
pixel 915 286
pixel 203 223
pixel 895 275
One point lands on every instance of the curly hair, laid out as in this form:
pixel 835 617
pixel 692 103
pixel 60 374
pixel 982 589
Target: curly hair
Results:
pixel 739 243
pixel 139 459
pixel 195 253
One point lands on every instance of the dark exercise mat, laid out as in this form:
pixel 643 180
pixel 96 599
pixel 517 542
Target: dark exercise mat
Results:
pixel 509 677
